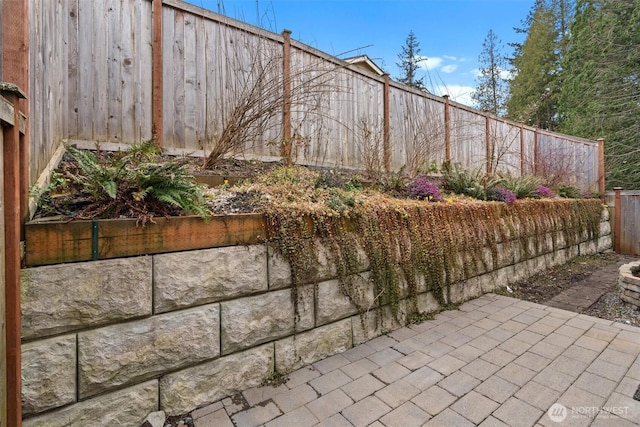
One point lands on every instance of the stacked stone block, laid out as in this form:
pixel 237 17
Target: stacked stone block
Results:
pixel 112 340
pixel 629 283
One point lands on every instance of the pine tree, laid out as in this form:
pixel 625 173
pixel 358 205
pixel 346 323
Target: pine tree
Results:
pixel 531 97
pixel 601 87
pixel 534 90
pixel 410 63
pixel 491 90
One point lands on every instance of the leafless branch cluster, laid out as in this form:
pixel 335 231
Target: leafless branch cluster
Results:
pixel 502 145
pixel 369 143
pixel 250 113
pixel 556 166
pixel 423 134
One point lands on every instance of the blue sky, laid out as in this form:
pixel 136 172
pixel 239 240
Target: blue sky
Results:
pixel 450 32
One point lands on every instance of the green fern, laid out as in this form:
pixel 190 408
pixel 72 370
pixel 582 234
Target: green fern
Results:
pixel 474 183
pixel 132 182
pixel 522 186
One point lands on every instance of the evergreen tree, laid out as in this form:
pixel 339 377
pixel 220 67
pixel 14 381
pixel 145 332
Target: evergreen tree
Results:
pixel 531 98
pixel 534 90
pixel 410 63
pixel 491 90
pixel 601 87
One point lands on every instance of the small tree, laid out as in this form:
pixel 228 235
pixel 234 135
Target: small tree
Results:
pixel 250 110
pixel 491 90
pixel 410 63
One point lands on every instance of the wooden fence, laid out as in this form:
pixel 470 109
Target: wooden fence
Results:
pixel 117 72
pixel 625 220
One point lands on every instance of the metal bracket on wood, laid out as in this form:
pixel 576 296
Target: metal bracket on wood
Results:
pixel 94 240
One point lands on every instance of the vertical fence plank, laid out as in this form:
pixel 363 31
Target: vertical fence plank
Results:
pixel 601 171
pixel 386 137
pixel 200 86
pixel 447 128
pixel 286 97
pixel 114 97
pixel 616 222
pixel 101 83
pixel 168 91
pixel 158 70
pixel 190 81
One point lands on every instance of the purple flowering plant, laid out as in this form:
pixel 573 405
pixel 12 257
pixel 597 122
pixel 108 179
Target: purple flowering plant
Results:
pixel 544 192
pixel 501 194
pixel 422 189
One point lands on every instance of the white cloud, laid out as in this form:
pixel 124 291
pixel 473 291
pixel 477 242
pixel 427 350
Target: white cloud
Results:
pixel 457 93
pixel 430 64
pixel 450 58
pixel 449 68
pixel 507 74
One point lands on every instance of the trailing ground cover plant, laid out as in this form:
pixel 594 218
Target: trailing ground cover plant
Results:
pixel 408 246
pixel 411 246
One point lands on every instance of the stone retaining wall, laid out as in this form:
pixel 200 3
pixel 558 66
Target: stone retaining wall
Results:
pixel 629 284
pixel 110 341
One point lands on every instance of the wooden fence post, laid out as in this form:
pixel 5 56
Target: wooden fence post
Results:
pixel 14 44
pixel 447 129
pixel 487 141
pixel 617 218
pixel 601 187
pixel 386 142
pixel 12 230
pixel 286 98
pixel 156 73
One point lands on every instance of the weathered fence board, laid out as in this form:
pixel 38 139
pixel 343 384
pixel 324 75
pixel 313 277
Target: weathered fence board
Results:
pixel 627 232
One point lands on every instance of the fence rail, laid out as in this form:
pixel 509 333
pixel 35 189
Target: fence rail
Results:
pixel 102 59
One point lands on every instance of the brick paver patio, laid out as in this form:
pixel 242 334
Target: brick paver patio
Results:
pixel 497 361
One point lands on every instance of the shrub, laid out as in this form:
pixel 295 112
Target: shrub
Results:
pixel 587 194
pixel 394 183
pixel 460 181
pixel 474 183
pixel 569 192
pixel 501 194
pixel 131 183
pixel 522 186
pixel 422 189
pixel 543 192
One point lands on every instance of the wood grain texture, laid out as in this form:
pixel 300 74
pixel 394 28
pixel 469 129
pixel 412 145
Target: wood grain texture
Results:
pixel 58 242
